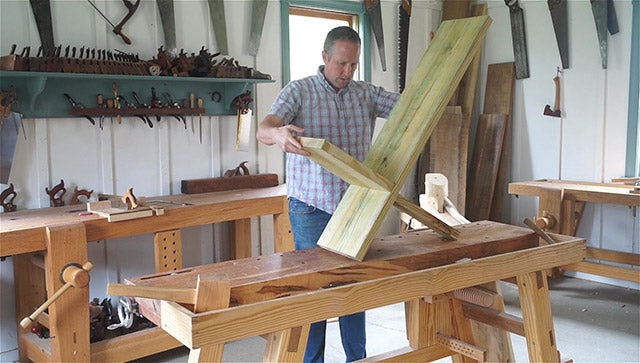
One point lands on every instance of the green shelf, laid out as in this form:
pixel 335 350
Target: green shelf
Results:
pixel 40 94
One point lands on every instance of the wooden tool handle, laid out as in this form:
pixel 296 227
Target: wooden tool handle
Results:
pixel 73 276
pixel 544 235
pixel 557 102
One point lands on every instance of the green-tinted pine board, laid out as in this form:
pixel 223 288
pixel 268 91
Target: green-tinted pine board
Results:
pixel 395 151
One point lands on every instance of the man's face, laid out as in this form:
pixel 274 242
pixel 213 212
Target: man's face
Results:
pixel 340 66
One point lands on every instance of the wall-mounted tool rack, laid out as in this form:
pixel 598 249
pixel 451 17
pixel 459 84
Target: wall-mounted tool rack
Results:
pixel 40 94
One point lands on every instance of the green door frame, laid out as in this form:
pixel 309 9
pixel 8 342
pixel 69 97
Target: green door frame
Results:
pixel 633 127
pixel 334 5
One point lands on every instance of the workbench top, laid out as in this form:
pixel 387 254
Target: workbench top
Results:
pixel 579 191
pixel 282 274
pixel 23 231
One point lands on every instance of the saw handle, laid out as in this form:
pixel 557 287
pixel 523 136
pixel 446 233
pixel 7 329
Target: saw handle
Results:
pixel 72 275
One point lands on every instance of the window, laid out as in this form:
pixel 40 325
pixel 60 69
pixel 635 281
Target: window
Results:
pixel 307 31
pixel 301 49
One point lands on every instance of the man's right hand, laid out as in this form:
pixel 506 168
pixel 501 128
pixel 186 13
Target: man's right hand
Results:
pixel 273 131
pixel 287 142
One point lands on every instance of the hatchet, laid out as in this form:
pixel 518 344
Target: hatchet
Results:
pixel 556 111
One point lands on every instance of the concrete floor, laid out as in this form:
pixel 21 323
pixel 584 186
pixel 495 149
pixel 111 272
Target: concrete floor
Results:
pixel 594 322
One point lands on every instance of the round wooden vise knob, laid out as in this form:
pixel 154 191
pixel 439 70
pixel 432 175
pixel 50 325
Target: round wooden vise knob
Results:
pixel 72 275
pixel 546 222
pixel 77 276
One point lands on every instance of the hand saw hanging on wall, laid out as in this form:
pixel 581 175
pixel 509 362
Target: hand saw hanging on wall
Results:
pixel 403 42
pixel 216 11
pixel 42 13
pixel 168 20
pixel 519 39
pixel 558 10
pixel 375 17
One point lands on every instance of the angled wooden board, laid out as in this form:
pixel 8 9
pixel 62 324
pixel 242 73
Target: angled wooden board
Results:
pixel 398 146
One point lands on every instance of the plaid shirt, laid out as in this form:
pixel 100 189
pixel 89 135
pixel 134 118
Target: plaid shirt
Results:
pixel 345 118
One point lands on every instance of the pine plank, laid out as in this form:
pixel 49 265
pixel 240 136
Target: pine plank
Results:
pixel 449 144
pixel 498 98
pixel 278 275
pixel 404 134
pixel 455 9
pixel 484 166
pixel 283 313
pixel 343 165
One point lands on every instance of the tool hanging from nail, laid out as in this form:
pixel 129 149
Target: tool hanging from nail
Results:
pixel 116 101
pixel 117 29
pixel 518 39
pixel 375 18
pixel 558 10
pixel 200 115
pixel 243 138
pixel 556 111
pixel 404 13
pixel 78 106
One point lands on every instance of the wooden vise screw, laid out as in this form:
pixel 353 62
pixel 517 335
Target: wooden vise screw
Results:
pixel 72 275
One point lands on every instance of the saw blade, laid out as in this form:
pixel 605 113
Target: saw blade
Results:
pixel 404 11
pixel 519 39
pixel 9 130
pixel 599 8
pixel 168 23
pixel 42 13
pixel 558 10
pixel 216 11
pixel 612 19
pixel 375 17
pixel 259 12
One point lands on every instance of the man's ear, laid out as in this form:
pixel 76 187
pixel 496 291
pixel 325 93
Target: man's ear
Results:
pixel 325 57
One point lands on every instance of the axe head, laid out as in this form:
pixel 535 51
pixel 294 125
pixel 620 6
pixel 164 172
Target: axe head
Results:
pixel 549 112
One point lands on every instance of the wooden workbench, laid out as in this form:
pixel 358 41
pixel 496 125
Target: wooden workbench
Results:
pixel 61 234
pixel 560 210
pixel 282 294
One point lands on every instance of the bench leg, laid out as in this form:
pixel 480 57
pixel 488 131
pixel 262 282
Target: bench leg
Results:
pixel 287 345
pixel 208 353
pixel 536 315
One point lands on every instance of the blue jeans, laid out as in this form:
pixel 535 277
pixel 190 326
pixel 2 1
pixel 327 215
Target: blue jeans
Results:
pixel 307 224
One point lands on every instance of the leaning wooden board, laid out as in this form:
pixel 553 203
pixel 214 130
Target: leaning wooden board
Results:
pixel 484 166
pixel 274 276
pixel 498 98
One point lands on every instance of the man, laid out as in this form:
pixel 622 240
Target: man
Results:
pixel 331 106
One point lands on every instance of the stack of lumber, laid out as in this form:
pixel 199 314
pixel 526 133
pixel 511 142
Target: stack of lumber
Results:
pixel 487 185
pixel 448 146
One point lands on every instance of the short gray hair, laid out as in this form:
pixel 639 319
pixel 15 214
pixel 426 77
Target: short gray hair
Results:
pixel 340 33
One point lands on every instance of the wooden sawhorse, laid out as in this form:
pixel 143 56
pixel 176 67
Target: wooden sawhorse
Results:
pixel 282 294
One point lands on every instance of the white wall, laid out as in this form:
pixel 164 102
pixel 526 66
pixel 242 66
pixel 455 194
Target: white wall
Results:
pixel 588 142
pixel 586 145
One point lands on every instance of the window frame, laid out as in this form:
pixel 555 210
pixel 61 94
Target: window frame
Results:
pixel 632 167
pixel 356 8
